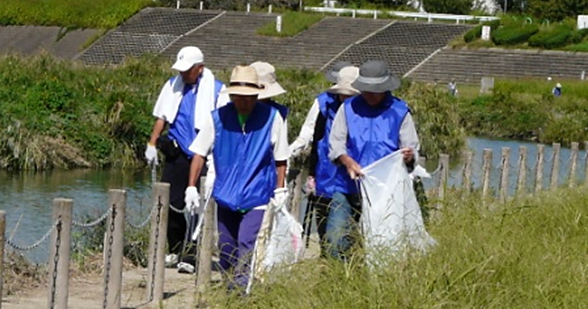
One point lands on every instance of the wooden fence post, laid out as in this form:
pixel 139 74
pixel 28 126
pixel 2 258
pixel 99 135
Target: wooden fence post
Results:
pixel 504 174
pixel 539 169
pixel 522 178
pixel 573 163
pixel 60 253
pixel 467 170
pixel 297 194
pixel 114 248
pixel 206 245
pixel 486 168
pixel 444 174
pixel 555 165
pixel 2 231
pixel 157 243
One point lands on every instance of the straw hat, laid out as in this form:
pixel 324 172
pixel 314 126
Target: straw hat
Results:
pixel 244 81
pixel 375 77
pixel 267 77
pixel 346 77
pixel 334 72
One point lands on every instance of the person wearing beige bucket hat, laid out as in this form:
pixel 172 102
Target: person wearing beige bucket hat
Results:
pixel 321 170
pixel 366 128
pixel 183 102
pixel 249 145
pixel 267 77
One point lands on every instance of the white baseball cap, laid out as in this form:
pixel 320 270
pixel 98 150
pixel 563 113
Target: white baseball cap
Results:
pixel 187 57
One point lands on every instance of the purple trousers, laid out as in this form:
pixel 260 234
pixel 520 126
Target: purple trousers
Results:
pixel 237 236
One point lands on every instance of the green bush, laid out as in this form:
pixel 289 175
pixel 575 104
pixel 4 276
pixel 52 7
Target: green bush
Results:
pixel 577 36
pixel 557 37
pixel 476 32
pixel 513 34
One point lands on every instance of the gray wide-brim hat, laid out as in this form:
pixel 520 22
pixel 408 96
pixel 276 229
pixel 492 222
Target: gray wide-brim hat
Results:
pixel 375 77
pixel 334 72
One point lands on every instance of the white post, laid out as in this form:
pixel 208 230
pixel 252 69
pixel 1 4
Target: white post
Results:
pixel 375 14
pixel 353 14
pixel 201 5
pixel 583 75
pixel 429 19
pixel 248 8
pixel 279 23
pixel 269 9
pixel 178 4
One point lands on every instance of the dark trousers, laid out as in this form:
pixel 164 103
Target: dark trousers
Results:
pixel 320 206
pixel 176 172
pixel 237 236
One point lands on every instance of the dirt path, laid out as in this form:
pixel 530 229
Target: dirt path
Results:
pixel 87 292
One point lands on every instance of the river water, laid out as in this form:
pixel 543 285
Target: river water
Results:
pixel 27 197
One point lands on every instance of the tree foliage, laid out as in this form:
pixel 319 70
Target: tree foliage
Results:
pixel 448 6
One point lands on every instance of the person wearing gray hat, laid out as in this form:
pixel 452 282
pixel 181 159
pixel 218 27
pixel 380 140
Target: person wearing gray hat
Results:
pixel 366 128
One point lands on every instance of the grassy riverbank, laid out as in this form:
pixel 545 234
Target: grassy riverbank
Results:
pixel 57 114
pixel 529 253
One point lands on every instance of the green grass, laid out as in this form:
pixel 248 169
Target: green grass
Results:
pixel 292 24
pixel 65 13
pixel 580 47
pixel 530 253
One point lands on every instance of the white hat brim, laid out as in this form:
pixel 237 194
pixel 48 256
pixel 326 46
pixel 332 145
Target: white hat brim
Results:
pixel 271 90
pixel 343 89
pixel 182 66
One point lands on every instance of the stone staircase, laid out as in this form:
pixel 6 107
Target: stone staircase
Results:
pixel 403 44
pixel 149 31
pixel 470 65
pixel 231 39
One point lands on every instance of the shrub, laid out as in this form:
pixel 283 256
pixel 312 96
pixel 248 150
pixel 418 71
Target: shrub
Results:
pixel 551 39
pixel 476 32
pixel 577 36
pixel 513 34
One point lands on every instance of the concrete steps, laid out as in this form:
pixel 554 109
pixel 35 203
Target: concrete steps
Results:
pixel 470 65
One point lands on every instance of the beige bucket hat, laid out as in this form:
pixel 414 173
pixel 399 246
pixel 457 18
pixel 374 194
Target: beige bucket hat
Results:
pixel 345 78
pixel 267 77
pixel 244 81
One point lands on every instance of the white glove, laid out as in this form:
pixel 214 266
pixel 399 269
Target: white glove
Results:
pixel 295 150
pixel 192 200
pixel 151 154
pixel 279 199
pixel 310 184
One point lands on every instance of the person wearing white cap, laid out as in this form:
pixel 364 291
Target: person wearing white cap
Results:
pixel 321 170
pixel 184 101
pixel 267 77
pixel 305 136
pixel 366 128
pixel 556 91
pixel 248 142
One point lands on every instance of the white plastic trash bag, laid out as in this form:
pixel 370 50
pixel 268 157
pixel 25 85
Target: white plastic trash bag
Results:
pixel 391 217
pixel 285 245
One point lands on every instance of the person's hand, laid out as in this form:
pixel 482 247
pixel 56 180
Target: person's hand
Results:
pixel 407 154
pixel 353 168
pixel 310 184
pixel 192 200
pixel 294 150
pixel 279 199
pixel 151 154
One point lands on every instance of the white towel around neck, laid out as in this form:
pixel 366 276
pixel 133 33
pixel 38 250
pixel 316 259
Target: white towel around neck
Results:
pixel 169 99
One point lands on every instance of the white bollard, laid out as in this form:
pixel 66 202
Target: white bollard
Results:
pixel 279 23
pixel 353 14
pixel 583 75
pixel 248 8
pixel 201 5
pixel 269 9
pixel 178 4
pixel 375 14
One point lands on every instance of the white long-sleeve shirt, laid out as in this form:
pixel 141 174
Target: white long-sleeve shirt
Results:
pixel 304 138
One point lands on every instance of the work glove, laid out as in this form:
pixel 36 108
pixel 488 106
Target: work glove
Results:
pixel 295 150
pixel 310 184
pixel 151 154
pixel 192 200
pixel 279 199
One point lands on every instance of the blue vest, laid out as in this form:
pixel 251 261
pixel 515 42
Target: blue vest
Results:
pixel 372 134
pixel 182 129
pixel 283 110
pixel 325 169
pixel 246 174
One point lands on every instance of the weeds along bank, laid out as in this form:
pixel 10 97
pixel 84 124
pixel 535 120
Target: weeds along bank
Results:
pixel 57 114
pixel 529 253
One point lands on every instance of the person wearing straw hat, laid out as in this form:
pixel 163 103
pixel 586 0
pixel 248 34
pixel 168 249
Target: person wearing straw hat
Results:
pixel 366 128
pixel 183 103
pixel 306 132
pixel 249 145
pixel 321 170
pixel 267 77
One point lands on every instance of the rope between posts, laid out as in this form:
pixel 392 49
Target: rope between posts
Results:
pixel 93 223
pixel 34 245
pixel 142 224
